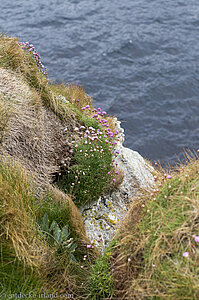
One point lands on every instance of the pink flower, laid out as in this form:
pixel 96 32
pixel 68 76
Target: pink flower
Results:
pixel 185 254
pixel 87 106
pixel 88 246
pixel 83 108
pixel 114 180
pixel 168 177
pixel 196 238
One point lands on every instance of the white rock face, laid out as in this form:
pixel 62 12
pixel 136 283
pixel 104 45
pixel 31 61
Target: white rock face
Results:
pixel 133 164
pixel 102 217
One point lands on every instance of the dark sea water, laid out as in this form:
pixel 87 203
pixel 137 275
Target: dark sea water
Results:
pixel 138 59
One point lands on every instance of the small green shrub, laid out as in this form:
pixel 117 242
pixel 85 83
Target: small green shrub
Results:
pixel 100 283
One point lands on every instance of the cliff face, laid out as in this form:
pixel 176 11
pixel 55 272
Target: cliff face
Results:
pixel 36 137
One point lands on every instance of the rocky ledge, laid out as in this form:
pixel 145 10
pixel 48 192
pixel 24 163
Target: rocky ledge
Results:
pixel 102 217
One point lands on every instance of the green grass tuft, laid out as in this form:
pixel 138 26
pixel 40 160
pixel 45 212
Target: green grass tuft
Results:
pixel 15 277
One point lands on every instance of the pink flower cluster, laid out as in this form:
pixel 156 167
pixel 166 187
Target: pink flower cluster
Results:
pixel 31 49
pixel 91 134
pixel 110 136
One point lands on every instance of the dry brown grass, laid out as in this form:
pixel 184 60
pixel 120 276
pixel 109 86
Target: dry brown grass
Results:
pixel 11 55
pixel 36 136
pixel 17 222
pixel 73 93
pixel 4 116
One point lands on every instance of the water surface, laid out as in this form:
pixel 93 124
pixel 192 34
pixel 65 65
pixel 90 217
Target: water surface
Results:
pixel 139 60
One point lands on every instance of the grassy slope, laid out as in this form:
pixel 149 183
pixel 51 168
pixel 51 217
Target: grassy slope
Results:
pixel 157 231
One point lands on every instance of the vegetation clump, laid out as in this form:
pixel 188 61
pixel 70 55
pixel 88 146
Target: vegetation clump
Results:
pixel 90 174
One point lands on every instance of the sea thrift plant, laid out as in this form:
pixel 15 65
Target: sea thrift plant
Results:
pixel 31 49
pixel 92 166
pixel 110 137
pixel 92 169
